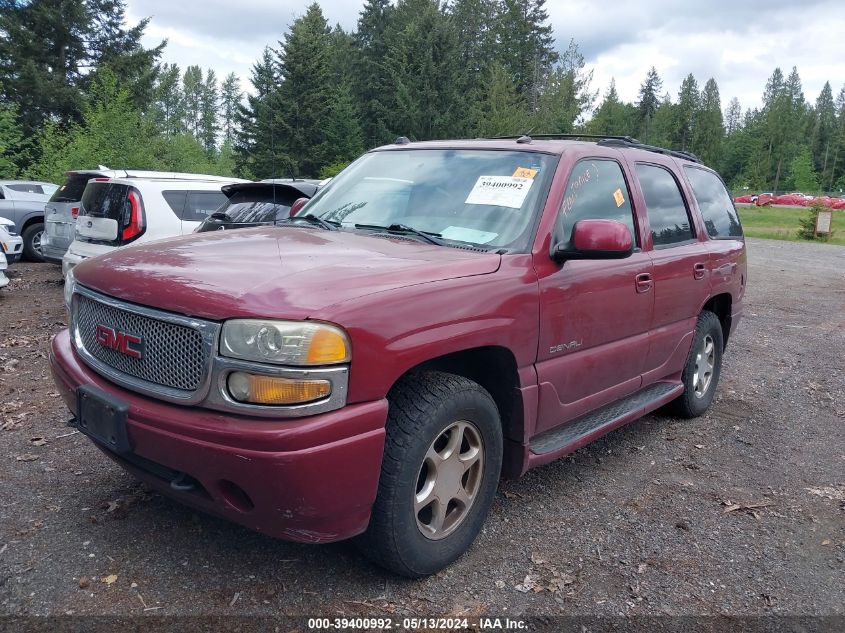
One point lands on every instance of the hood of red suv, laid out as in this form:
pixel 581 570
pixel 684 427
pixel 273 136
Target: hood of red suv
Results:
pixel 279 272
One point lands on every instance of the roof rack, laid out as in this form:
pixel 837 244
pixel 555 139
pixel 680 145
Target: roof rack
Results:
pixel 529 137
pixel 635 144
pixel 606 141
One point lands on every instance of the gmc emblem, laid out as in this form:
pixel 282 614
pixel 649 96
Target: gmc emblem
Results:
pixel 122 342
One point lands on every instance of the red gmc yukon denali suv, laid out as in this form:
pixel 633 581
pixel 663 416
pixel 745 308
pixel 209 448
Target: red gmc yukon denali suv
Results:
pixel 440 315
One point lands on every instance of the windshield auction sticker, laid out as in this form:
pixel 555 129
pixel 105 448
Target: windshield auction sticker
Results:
pixel 500 191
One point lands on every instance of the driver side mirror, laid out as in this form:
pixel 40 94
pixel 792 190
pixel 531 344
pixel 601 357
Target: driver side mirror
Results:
pixel 297 205
pixel 596 239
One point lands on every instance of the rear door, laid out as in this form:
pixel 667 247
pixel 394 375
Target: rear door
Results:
pixel 61 211
pixel 104 210
pixel 594 314
pixel 681 277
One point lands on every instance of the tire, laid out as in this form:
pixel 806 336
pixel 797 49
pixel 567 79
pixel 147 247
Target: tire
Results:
pixel 699 387
pixel 32 242
pixel 428 411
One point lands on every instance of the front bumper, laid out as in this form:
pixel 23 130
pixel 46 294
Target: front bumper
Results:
pixel 69 261
pixel 4 281
pixel 309 479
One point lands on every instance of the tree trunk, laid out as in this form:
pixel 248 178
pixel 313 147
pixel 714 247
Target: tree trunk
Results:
pixel 777 176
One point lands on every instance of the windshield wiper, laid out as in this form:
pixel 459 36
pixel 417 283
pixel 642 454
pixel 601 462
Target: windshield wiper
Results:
pixel 329 225
pixel 431 238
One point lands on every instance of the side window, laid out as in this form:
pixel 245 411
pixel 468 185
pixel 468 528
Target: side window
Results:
pixel 27 188
pixel 201 204
pixel 596 191
pixel 2 195
pixel 176 201
pixel 667 213
pixel 717 208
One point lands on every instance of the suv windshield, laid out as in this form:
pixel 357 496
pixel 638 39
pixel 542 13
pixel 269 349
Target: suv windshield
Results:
pixel 486 198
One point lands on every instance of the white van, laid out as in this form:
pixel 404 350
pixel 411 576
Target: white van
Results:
pixel 115 212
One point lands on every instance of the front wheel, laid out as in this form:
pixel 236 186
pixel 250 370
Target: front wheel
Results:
pixel 704 365
pixel 442 459
pixel 32 237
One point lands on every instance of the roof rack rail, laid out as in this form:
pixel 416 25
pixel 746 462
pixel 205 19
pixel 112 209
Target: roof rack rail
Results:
pixel 529 137
pixel 635 144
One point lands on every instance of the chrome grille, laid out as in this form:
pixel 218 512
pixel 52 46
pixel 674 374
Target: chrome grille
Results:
pixel 174 357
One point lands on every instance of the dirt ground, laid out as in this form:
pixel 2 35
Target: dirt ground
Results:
pixel 740 512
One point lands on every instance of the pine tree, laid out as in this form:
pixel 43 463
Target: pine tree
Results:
pixel 525 45
pixel 42 48
pixel 612 117
pixel 209 113
pixel 111 44
pixel 344 137
pixel 11 138
pixel 823 131
pixel 192 91
pixel 230 99
pixel 257 152
pixel 168 106
pixel 686 113
pixel 566 94
pixel 648 103
pixel 304 93
pixel 803 175
pixel 709 130
pixel 370 78
pixel 423 69
pixel 501 110
pixel 476 43
pixel 733 116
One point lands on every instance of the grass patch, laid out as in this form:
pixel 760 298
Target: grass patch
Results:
pixel 782 223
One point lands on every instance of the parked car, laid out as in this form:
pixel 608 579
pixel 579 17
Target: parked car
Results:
pixel 257 203
pixel 10 242
pixel 115 212
pixel 441 314
pixel 62 209
pixel 22 202
pixel 4 281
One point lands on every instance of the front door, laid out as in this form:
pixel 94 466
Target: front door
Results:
pixel 594 314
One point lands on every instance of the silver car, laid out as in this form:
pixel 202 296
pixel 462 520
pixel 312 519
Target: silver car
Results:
pixel 22 202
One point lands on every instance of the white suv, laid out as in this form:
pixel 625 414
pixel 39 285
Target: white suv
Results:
pixel 115 212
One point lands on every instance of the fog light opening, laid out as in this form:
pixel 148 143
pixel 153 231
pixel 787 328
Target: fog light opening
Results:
pixel 235 496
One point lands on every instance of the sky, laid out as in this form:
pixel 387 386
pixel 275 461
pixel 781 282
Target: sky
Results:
pixel 738 43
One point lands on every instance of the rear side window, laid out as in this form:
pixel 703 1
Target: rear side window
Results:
pixel 596 191
pixel 73 188
pixel 717 208
pixel 201 204
pixel 175 200
pixel 26 188
pixel 667 213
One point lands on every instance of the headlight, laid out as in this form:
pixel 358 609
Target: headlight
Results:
pixel 70 286
pixel 284 342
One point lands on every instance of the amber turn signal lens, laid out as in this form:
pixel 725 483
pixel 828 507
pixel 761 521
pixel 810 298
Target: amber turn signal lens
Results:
pixel 327 346
pixel 270 390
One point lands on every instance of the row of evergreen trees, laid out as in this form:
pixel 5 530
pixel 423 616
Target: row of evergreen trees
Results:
pixel 77 89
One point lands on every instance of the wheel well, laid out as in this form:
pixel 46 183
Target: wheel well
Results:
pixel 494 368
pixel 720 305
pixel 36 219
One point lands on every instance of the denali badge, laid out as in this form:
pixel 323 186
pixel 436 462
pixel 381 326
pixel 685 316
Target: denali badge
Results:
pixel 564 347
pixel 122 342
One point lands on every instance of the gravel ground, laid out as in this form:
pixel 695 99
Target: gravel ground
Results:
pixel 740 512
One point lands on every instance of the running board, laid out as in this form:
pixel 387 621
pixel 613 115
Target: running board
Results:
pixel 585 429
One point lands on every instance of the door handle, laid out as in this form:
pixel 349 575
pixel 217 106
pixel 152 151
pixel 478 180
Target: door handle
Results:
pixel 644 282
pixel 699 270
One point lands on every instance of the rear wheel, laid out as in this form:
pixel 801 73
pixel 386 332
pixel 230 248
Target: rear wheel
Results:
pixel 701 373
pixel 32 237
pixel 442 459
